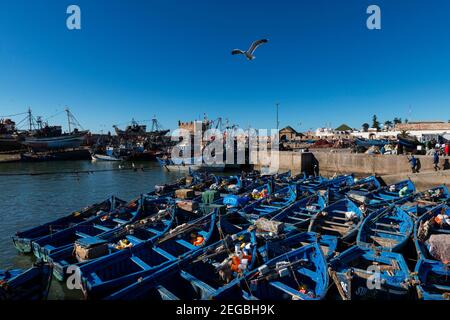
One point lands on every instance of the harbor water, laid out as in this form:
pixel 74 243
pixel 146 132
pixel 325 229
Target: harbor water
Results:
pixel 35 193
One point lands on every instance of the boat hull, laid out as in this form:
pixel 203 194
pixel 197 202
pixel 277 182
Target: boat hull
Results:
pixel 55 143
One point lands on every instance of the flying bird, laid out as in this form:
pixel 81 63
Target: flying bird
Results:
pixel 249 52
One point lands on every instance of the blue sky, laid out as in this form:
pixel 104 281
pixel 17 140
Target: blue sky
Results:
pixel 171 58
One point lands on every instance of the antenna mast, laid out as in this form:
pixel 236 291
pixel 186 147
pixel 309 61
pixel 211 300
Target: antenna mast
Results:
pixel 278 122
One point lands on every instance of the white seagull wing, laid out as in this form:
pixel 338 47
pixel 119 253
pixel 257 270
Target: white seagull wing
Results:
pixel 256 44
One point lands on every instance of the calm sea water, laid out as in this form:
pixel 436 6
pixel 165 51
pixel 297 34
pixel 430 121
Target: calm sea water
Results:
pixel 27 199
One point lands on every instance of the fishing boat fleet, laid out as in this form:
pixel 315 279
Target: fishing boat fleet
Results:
pixel 44 142
pixel 247 237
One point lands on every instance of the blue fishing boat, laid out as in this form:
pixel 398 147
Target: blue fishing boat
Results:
pixel 409 142
pixel 270 205
pixel 432 280
pixel 91 248
pixel 298 215
pixel 235 202
pixel 23 240
pixel 432 234
pixel 361 187
pixel 102 224
pixel 393 192
pixel 389 229
pixel 367 143
pixel 284 177
pixel 339 183
pixel 297 275
pixel 274 248
pixel 32 284
pixel 399 193
pixel 312 183
pixel 232 222
pixel 111 273
pixel 364 273
pixel 426 200
pixel 199 275
pixel 341 219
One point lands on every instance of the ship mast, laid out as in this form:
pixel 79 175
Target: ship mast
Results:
pixel 68 119
pixel 72 121
pixel 30 119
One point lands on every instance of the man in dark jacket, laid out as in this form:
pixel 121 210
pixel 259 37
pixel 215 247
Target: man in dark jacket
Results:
pixel 413 163
pixel 436 160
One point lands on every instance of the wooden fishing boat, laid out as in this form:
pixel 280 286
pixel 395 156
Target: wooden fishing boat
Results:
pixel 236 202
pixel 367 143
pixel 232 222
pixel 426 200
pixel 392 192
pixel 274 248
pixel 114 272
pixel 339 183
pixel 284 177
pixel 432 280
pixel 384 196
pixel 32 284
pixel 299 214
pixel 23 240
pixel 341 219
pixel 102 224
pixel 389 229
pixel 312 183
pixel 199 275
pixel 432 234
pixel 145 230
pixel 297 275
pixel 364 273
pixel 361 187
pixel 270 205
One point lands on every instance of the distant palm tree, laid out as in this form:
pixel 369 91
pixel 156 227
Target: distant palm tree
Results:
pixel 365 127
pixel 388 124
pixel 404 133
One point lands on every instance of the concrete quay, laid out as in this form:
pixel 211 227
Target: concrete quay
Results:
pixel 392 168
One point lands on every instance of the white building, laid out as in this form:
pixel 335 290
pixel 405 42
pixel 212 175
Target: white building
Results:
pixel 423 130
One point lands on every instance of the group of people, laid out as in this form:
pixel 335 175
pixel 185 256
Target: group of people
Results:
pixel 442 149
pixel 415 162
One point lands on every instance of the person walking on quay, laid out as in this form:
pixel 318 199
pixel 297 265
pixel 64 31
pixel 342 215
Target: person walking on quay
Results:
pixel 413 163
pixel 447 149
pixel 436 161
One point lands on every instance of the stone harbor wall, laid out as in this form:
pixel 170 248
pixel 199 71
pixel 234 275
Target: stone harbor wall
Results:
pixel 329 163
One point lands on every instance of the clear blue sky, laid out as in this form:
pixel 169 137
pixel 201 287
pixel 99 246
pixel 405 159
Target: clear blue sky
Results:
pixel 171 58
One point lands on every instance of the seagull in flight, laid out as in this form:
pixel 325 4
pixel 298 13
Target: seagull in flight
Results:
pixel 249 52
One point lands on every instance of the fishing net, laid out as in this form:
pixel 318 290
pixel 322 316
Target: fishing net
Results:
pixel 440 247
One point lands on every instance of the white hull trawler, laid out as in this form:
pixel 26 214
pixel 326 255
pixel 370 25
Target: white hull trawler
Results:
pixel 60 142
